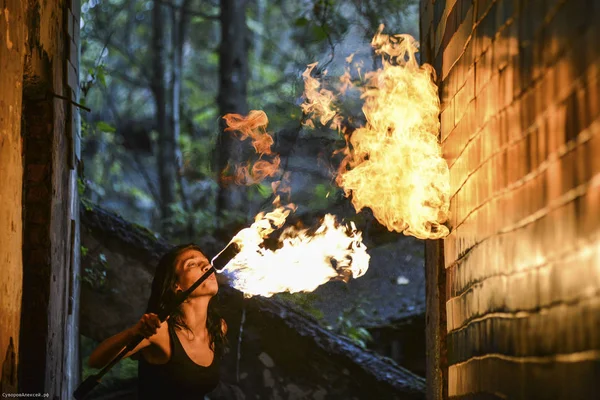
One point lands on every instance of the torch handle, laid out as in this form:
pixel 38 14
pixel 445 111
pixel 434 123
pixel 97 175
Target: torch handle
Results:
pixel 93 380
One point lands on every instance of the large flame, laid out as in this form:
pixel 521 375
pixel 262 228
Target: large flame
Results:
pixel 303 260
pixel 394 164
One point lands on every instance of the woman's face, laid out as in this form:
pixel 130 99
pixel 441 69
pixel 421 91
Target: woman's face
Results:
pixel 191 265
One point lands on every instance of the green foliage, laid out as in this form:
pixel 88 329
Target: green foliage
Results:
pixel 94 274
pixel 233 217
pixel 87 204
pixel 319 32
pixel 303 300
pixel 324 196
pixel 352 330
pixel 124 369
pixel 300 22
pixel 347 324
pixel 197 156
pixel 259 191
pixel 105 127
pixel 358 335
pixel 80 187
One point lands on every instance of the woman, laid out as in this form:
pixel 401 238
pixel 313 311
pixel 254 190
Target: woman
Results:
pixel 178 358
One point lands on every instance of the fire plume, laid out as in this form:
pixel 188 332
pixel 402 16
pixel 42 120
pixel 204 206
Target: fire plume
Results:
pixel 303 260
pixel 394 165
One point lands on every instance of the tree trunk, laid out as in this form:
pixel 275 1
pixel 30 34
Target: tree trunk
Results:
pixel 179 32
pixel 261 6
pixel 233 70
pixel 167 172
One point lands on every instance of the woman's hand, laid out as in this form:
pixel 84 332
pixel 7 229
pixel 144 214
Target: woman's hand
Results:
pixel 147 326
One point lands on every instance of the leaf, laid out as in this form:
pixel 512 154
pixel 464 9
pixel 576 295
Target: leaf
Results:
pixel 101 77
pixel 319 32
pixel 105 127
pixel 321 190
pixel 255 26
pixel 318 314
pixel 80 186
pixel 302 21
pixel 264 190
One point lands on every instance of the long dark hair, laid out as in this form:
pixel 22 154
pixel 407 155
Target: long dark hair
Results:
pixel 162 295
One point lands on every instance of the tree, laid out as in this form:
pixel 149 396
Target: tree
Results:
pixel 232 97
pixel 180 23
pixel 166 158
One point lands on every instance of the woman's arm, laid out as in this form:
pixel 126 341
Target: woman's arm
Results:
pixel 147 326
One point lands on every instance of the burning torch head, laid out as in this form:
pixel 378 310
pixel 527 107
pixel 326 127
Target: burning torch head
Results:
pixel 227 254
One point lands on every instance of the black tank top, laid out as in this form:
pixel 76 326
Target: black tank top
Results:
pixel 179 378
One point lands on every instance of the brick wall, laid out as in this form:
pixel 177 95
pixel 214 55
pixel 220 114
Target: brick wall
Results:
pixel 520 91
pixel 48 355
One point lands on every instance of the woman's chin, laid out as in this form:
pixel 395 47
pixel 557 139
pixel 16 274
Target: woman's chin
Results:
pixel 213 290
pixel 209 290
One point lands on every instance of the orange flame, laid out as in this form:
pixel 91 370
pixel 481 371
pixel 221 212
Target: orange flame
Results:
pixel 253 126
pixel 346 78
pixel 318 103
pixel 302 261
pixel 394 164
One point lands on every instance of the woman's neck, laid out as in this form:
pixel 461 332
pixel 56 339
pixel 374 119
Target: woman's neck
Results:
pixel 195 313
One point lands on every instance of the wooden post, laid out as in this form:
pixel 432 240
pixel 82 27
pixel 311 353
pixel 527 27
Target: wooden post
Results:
pixel 435 323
